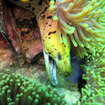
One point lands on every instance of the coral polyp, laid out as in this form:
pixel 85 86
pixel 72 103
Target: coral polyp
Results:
pixel 19 90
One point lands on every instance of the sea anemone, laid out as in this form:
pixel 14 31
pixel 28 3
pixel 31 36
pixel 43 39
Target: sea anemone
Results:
pixel 84 22
pixel 94 91
pixel 19 90
pixel 79 19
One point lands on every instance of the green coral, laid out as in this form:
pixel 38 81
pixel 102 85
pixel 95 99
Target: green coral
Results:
pixel 19 90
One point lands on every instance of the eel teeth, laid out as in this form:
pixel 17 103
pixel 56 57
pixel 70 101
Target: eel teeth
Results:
pixel 50 68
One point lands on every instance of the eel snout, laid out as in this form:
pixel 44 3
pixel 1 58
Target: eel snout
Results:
pixel 56 54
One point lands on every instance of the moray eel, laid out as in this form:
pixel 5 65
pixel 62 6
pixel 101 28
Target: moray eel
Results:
pixel 56 53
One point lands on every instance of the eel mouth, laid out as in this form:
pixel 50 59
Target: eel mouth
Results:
pixel 50 68
pixel 11 27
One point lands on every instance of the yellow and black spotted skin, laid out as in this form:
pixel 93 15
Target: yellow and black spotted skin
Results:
pixel 59 52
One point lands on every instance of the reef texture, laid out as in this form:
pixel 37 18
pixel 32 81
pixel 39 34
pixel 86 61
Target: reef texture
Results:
pixel 30 39
pixel 21 30
pixel 6 54
pixel 20 40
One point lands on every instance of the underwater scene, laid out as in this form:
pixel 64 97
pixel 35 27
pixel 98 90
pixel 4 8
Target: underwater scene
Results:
pixel 52 52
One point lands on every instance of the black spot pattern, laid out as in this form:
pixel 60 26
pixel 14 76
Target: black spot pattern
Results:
pixel 44 10
pixel 43 16
pixel 51 32
pixel 46 23
pixel 49 17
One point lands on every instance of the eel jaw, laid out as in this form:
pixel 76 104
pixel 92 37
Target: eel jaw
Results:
pixel 50 68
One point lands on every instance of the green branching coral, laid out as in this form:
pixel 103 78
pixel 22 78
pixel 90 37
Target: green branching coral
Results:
pixel 18 90
pixel 79 19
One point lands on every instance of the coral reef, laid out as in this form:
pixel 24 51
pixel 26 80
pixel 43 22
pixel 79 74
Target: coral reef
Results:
pixel 65 24
pixel 19 90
